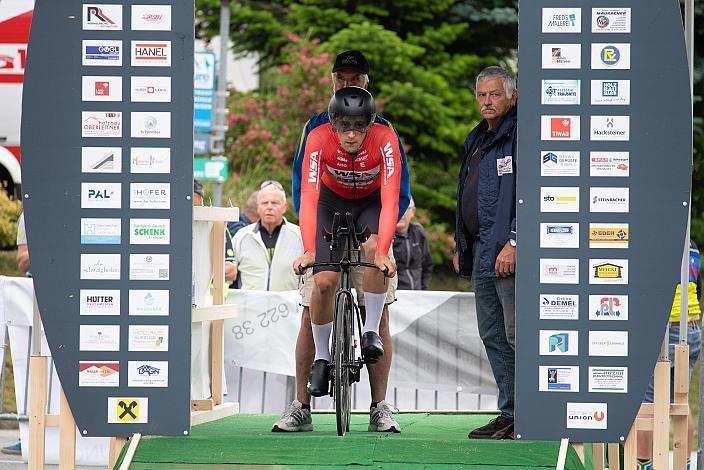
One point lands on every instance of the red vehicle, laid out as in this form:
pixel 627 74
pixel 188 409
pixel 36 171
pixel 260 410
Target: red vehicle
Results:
pixel 15 21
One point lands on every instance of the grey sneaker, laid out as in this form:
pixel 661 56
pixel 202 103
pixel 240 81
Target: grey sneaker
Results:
pixel 381 418
pixel 295 418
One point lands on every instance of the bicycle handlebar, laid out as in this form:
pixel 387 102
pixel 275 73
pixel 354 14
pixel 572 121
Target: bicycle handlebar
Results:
pixel 352 264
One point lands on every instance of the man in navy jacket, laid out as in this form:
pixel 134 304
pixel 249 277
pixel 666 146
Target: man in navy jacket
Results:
pixel 486 233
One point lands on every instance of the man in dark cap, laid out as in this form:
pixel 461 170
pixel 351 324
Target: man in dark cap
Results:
pixel 351 68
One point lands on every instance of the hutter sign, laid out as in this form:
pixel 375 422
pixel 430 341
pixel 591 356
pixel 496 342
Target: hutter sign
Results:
pixel 604 176
pixel 107 152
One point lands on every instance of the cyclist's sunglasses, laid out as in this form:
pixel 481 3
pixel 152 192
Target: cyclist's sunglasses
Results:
pixel 271 183
pixel 351 123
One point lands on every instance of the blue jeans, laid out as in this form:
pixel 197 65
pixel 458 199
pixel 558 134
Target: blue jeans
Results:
pixel 496 317
pixel 694 340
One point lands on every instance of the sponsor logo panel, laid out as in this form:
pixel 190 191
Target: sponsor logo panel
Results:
pixel 99 338
pixel 560 92
pixel 609 164
pixel 608 343
pixel 559 163
pixel 101 195
pixel 559 271
pixel 150 195
pixel 150 89
pixel 100 231
pixel 150 231
pixel 98 17
pixel 148 374
pixel 559 342
pixel 611 92
pixel 560 128
pixel 149 267
pixel 99 302
pixel 608 379
pixel 559 307
pixel 562 20
pixel 151 125
pixel 609 200
pixel 101 124
pixel 608 235
pixel 149 302
pixel 587 416
pixel 99 374
pixel 101 160
pixel 562 56
pixel 611 56
pixel 559 379
pixel 608 271
pixel 611 128
pixel 150 160
pixel 128 410
pixel 151 17
pixel 102 53
pixel 559 199
pixel 611 20
pixel 559 235
pixel 151 54
pixel 608 307
pixel 149 338
pixel 100 266
pixel 95 88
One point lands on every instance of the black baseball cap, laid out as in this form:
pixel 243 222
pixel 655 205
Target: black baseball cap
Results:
pixel 351 60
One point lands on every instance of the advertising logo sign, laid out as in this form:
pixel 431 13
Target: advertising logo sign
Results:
pixel 148 267
pixel 100 266
pixel 562 20
pixel 559 379
pixel 151 89
pixel 611 92
pixel 559 128
pixel 562 56
pixel 559 307
pixel 149 302
pixel 151 54
pixel 608 343
pixel 559 163
pixel 203 89
pixel 608 307
pixel 608 235
pixel 611 20
pixel 560 92
pixel 99 374
pixel 99 338
pixel 150 195
pixel 559 199
pixel 609 200
pixel 100 195
pixel 151 17
pixel 98 17
pixel 559 235
pixel 151 125
pixel 99 302
pixel 150 160
pixel 128 410
pixel 100 231
pixel 611 56
pixel 608 379
pixel 101 160
pixel 101 124
pixel 150 231
pixel 559 271
pixel 609 164
pixel 559 342
pixel 149 338
pixel 148 374
pixel 95 88
pixel 587 416
pixel 608 271
pixel 102 53
pixel 611 128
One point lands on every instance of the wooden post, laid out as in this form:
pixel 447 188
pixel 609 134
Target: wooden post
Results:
pixel 614 457
pixel 37 410
pixel 661 423
pixel 134 442
pixel 116 445
pixel 562 455
pixel 598 456
pixel 217 327
pixel 579 448
pixel 67 436
pixel 680 441
pixel 630 456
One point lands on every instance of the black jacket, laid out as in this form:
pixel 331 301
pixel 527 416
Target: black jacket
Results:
pixel 413 260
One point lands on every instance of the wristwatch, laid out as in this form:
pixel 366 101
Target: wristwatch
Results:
pixel 512 242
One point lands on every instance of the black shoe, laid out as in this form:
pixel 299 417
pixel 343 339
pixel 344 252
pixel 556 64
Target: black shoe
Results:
pixel 372 347
pixel 319 381
pixel 500 427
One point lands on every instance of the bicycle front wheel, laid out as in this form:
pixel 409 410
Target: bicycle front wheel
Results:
pixel 344 357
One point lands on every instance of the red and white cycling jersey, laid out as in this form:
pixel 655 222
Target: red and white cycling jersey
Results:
pixel 376 165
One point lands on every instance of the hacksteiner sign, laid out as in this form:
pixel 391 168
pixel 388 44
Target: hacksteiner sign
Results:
pixel 604 179
pixel 107 152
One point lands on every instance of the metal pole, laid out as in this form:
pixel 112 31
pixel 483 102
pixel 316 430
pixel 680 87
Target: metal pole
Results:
pixel 221 106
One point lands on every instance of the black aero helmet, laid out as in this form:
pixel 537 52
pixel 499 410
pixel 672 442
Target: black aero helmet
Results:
pixel 352 108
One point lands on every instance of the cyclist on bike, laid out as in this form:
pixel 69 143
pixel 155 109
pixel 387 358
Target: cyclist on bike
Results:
pixel 350 165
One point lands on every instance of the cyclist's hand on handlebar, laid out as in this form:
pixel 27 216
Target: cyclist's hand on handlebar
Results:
pixel 303 262
pixel 384 263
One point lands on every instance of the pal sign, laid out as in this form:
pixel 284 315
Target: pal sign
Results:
pixel 204 85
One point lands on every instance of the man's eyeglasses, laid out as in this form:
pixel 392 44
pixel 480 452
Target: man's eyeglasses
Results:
pixel 271 183
pixel 351 123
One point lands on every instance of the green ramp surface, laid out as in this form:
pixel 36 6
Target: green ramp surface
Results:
pixel 427 441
